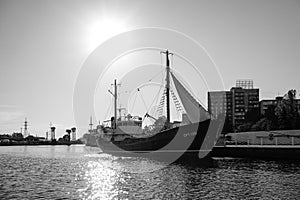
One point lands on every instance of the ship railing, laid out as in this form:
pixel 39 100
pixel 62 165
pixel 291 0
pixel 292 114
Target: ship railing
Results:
pixel 130 118
pixel 128 123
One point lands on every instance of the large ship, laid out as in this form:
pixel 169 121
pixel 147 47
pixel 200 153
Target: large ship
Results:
pixel 195 135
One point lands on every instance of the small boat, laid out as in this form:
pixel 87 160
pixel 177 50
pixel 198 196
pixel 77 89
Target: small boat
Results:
pixel 194 136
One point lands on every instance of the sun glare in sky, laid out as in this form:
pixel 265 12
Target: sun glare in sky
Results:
pixel 102 29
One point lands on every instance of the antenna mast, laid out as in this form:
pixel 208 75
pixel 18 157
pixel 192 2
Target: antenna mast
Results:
pixel 91 124
pixel 25 128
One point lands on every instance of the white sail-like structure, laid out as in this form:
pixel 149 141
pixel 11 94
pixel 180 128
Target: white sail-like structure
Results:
pixel 195 112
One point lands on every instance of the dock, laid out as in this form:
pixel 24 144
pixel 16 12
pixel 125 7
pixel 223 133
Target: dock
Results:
pixel 258 151
pixel 263 144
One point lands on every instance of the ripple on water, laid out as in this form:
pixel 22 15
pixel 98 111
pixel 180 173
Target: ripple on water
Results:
pixel 90 175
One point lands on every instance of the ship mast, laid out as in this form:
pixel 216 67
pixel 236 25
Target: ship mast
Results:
pixel 115 95
pixel 167 86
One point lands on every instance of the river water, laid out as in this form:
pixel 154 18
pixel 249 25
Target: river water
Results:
pixel 79 172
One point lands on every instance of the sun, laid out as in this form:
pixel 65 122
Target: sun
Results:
pixel 101 30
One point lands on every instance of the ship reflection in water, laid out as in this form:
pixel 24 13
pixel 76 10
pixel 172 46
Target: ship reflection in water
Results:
pixel 79 172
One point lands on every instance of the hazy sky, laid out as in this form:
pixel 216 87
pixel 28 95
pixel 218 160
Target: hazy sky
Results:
pixel 44 44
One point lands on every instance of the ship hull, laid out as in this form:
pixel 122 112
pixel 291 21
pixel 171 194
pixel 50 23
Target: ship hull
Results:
pixel 193 140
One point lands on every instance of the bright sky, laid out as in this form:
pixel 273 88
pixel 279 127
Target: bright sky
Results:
pixel 44 45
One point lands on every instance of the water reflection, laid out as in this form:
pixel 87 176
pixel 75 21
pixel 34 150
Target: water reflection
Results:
pixel 81 173
pixel 229 180
pixel 119 177
pixel 100 182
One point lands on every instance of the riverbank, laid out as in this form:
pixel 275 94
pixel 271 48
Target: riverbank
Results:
pixel 276 137
pixel 279 144
pixel 35 143
pixel 257 151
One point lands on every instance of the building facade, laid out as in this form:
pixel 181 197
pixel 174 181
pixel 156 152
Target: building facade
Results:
pixel 234 104
pixel 220 103
pixel 264 105
pixel 243 101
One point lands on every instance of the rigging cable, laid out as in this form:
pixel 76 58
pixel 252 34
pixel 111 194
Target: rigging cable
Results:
pixel 155 98
pixel 154 76
pixel 133 102
pixel 174 97
pixel 161 104
pixel 109 108
pixel 159 110
pixel 142 98
pixel 162 69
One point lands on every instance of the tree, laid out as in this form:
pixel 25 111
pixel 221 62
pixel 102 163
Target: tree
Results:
pixel 286 111
pixel 263 124
pixel 17 136
pixel 271 117
pixel 244 127
pixel 252 115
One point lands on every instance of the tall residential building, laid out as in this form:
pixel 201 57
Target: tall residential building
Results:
pixel 234 104
pixel 220 102
pixel 243 101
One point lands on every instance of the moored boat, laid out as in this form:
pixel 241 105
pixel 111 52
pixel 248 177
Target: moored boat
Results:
pixel 195 135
